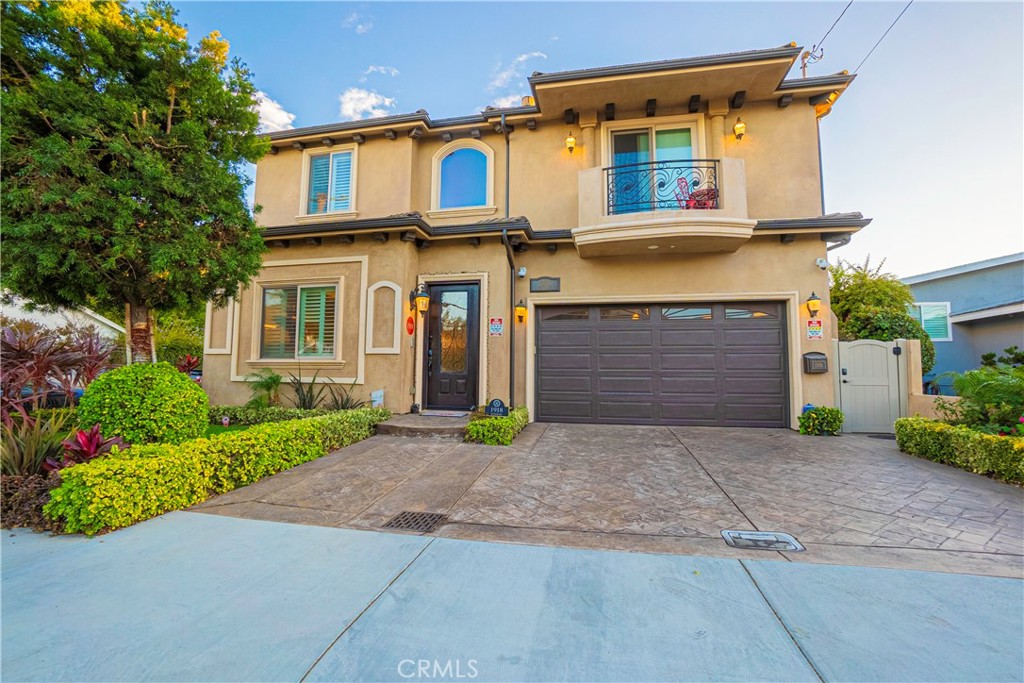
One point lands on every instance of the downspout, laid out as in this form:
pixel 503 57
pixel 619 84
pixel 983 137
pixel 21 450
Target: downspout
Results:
pixel 841 241
pixel 511 309
pixel 821 171
pixel 511 277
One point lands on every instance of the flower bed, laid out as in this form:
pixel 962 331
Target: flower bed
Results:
pixel 497 431
pixel 148 480
pixel 999 456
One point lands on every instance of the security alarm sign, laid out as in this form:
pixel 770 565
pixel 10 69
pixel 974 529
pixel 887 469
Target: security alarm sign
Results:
pixel 496 327
pixel 814 329
pixel 410 325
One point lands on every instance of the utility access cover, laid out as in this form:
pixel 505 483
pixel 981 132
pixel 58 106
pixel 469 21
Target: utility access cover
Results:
pixel 423 522
pixel 761 540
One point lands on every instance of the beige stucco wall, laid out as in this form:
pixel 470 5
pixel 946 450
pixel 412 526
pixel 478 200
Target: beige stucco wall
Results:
pixel 762 269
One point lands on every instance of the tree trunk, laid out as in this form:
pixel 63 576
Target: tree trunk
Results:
pixel 139 326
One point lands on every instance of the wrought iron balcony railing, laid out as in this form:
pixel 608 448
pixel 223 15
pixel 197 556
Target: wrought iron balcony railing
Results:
pixel 662 185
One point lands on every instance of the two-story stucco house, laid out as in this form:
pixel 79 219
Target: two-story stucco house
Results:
pixel 634 244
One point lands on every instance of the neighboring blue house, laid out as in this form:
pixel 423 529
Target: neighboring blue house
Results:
pixel 970 310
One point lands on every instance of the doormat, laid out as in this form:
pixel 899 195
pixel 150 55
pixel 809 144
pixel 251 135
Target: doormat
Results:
pixel 444 413
pixel 761 540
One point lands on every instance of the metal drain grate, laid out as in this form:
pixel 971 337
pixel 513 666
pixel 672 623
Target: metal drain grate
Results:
pixel 423 522
pixel 887 437
pixel 761 540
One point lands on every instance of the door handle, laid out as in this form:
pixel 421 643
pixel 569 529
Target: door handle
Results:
pixel 846 381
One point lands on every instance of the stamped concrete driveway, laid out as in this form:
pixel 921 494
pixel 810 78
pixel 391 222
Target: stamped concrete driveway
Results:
pixel 850 500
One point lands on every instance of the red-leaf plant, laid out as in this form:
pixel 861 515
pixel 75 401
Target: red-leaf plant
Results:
pixel 83 446
pixel 188 363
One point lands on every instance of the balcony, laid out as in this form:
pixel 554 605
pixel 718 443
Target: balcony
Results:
pixel 694 206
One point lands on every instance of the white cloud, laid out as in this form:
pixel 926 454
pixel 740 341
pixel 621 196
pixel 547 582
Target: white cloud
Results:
pixel 377 69
pixel 508 101
pixel 357 103
pixel 273 116
pixel 358 22
pixel 507 74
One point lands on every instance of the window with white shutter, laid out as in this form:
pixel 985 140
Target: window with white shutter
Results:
pixel 299 322
pixel 329 184
pixel 934 318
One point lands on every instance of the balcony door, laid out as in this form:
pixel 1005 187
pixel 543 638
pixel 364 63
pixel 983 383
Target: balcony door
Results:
pixel 650 169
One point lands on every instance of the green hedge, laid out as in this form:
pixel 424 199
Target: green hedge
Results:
pixel 497 431
pixel 148 480
pixel 1000 456
pixel 821 421
pixel 242 415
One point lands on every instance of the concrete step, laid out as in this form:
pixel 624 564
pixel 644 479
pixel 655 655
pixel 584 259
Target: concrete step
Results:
pixel 424 426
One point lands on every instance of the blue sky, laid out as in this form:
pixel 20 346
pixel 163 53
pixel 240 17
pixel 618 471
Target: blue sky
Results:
pixel 928 141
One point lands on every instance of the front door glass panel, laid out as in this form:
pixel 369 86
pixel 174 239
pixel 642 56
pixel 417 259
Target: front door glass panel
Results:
pixel 454 331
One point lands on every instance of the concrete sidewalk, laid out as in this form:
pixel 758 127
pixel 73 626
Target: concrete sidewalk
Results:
pixel 200 597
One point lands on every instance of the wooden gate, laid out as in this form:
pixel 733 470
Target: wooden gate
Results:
pixel 872 384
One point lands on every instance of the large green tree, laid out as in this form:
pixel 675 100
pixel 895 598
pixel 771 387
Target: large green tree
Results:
pixel 123 151
pixel 871 304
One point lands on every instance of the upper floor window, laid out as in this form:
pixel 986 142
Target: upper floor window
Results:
pixel 463 176
pixel 330 182
pixel 298 322
pixel 934 318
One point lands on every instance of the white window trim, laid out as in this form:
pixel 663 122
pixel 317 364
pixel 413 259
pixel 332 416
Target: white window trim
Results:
pixel 300 284
pixel 949 323
pixel 435 181
pixel 693 121
pixel 307 155
pixel 371 313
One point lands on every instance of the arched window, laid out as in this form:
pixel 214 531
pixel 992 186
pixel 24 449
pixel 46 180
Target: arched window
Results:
pixel 463 173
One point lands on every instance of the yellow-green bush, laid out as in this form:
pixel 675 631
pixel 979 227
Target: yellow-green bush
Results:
pixel 145 481
pixel 145 403
pixel 497 431
pixel 821 421
pixel 959 446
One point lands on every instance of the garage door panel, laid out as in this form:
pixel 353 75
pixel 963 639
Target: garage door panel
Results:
pixel 687 338
pixel 565 361
pixel 632 410
pixel 753 361
pixel 610 384
pixel 556 409
pixel 664 368
pixel 681 386
pixel 631 338
pixel 687 361
pixel 625 361
pixel 552 339
pixel 739 338
pixel 769 386
pixel 565 383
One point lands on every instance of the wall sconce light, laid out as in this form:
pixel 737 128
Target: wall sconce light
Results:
pixel 740 129
pixel 813 305
pixel 520 311
pixel 420 298
pixel 570 142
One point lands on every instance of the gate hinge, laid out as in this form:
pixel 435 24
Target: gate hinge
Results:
pixel 896 351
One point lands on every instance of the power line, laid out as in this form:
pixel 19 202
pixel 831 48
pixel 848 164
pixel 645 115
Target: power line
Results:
pixel 883 36
pixel 820 42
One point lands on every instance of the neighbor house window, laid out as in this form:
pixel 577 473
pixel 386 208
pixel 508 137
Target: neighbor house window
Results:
pixel 298 322
pixel 329 188
pixel 934 318
pixel 463 174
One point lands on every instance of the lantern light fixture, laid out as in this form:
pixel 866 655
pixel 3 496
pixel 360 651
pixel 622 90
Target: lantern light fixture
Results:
pixel 740 129
pixel 570 142
pixel 520 311
pixel 813 305
pixel 420 298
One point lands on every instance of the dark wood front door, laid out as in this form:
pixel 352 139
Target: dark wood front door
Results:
pixel 452 345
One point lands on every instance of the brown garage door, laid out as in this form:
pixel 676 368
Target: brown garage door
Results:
pixel 718 364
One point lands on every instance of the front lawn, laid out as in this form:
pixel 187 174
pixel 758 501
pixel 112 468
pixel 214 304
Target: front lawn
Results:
pixel 214 430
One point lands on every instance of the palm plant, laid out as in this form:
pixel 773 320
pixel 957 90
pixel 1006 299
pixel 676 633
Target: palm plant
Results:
pixel 265 386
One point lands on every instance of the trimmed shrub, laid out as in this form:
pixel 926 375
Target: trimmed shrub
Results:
pixel 146 403
pixel 497 431
pixel 962 447
pixel 254 415
pixel 145 481
pixel 821 420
